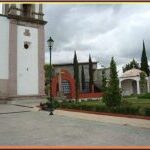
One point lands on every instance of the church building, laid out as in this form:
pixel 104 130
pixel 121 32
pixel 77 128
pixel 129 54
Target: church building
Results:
pixel 22 51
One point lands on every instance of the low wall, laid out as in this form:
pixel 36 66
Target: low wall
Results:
pixel 90 95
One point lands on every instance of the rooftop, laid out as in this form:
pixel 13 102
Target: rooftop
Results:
pixel 131 73
pixel 70 64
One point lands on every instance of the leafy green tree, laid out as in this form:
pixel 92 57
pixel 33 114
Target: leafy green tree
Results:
pixel 144 62
pixel 143 82
pixel 91 82
pixel 47 77
pixel 83 78
pixel 76 76
pixel 112 95
pixel 103 80
pixel 132 64
pixel 47 81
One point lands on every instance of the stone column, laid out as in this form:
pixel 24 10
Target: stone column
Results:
pixel 12 83
pixel 41 60
pixel 138 86
pixel 120 83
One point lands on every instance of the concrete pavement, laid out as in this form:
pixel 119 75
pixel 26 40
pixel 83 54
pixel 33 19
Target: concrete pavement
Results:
pixel 107 119
pixel 32 127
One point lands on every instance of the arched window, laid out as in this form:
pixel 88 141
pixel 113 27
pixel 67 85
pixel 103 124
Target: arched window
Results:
pixel 26 10
pixel 66 87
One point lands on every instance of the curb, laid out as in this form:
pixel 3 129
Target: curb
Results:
pixel 108 114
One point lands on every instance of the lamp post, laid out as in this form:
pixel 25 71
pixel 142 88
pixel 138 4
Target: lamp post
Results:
pixel 50 45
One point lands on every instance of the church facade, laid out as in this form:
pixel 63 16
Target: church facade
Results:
pixel 22 50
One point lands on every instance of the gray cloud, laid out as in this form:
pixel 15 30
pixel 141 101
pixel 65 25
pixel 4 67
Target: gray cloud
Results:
pixel 102 30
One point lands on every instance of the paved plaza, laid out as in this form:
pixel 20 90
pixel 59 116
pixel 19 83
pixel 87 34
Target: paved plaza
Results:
pixel 27 126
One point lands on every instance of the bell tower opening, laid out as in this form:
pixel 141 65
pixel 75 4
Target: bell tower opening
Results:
pixel 26 10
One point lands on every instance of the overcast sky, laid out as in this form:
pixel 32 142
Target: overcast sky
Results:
pixel 101 30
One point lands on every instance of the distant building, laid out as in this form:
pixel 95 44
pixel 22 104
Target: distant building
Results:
pixel 63 80
pixel 98 76
pixel 130 82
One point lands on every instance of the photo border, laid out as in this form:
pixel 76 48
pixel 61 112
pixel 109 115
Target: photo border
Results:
pixel 75 2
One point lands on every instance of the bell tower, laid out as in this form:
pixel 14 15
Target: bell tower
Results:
pixel 34 11
pixel 26 49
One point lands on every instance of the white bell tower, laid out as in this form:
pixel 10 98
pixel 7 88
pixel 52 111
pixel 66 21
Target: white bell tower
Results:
pixel 34 11
pixel 26 49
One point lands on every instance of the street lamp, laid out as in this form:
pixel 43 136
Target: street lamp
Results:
pixel 50 45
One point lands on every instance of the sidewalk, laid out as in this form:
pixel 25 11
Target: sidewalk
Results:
pixel 31 103
pixel 108 119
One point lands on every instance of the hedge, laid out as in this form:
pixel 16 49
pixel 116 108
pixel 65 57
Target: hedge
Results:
pixel 144 96
pixel 147 111
pixel 123 109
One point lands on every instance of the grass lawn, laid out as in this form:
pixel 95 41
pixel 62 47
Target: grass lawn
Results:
pixel 138 101
pixel 130 105
pixel 134 101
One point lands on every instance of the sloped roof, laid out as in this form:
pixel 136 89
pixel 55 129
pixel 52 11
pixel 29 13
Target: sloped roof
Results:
pixel 131 73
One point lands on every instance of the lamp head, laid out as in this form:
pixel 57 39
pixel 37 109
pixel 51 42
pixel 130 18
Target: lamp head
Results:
pixel 50 42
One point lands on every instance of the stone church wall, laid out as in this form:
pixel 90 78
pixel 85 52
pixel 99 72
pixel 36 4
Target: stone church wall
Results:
pixel 4 54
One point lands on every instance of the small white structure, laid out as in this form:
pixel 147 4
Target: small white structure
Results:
pixel 129 82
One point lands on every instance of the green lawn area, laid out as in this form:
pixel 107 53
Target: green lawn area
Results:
pixel 138 101
pixel 134 101
pixel 130 105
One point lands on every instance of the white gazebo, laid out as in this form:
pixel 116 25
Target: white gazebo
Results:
pixel 129 82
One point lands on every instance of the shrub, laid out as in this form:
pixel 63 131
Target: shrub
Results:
pixel 56 104
pixel 43 106
pixel 125 108
pixel 87 107
pixel 112 94
pixel 144 96
pixel 128 110
pixel 101 108
pixel 147 111
pixel 125 103
pixel 130 96
pixel 47 105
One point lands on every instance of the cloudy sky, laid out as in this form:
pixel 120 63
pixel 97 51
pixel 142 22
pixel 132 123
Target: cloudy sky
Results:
pixel 101 30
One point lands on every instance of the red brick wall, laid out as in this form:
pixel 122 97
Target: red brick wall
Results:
pixel 90 95
pixel 64 76
pixel 54 86
pixel 67 76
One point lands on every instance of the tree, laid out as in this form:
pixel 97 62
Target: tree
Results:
pixel 76 76
pixel 83 78
pixel 144 62
pixel 112 95
pixel 91 82
pixel 47 79
pixel 103 80
pixel 143 82
pixel 132 64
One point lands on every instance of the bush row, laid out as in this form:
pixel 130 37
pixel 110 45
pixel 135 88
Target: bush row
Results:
pixel 124 109
pixel 47 105
pixel 144 96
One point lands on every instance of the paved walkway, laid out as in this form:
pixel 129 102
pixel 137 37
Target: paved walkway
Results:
pixel 32 127
pixel 107 119
pixel 27 103
pixel 8 109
